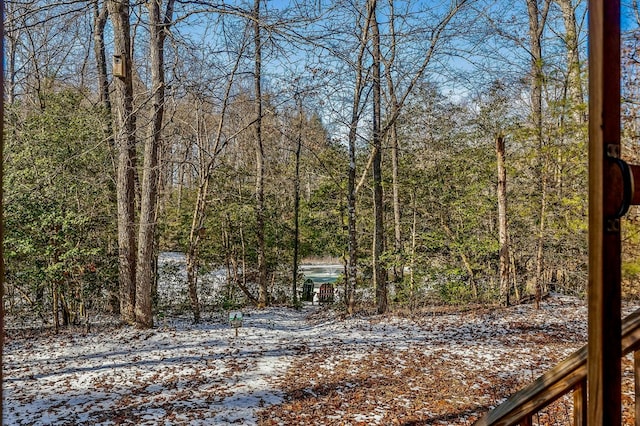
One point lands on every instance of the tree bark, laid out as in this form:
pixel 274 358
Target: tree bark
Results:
pixel 537 21
pixel 2 207
pixel 192 279
pixel 352 261
pixel 195 234
pixel 398 266
pixel 574 80
pixel 10 42
pixel 100 16
pixel 503 237
pixel 54 307
pixel 296 202
pixel 379 270
pixel 145 278
pixel 414 232
pixel 260 167
pixel 124 138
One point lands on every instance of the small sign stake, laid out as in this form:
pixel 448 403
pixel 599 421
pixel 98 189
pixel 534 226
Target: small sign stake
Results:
pixel 235 320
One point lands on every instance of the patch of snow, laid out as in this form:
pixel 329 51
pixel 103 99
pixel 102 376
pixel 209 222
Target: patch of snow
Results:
pixel 202 374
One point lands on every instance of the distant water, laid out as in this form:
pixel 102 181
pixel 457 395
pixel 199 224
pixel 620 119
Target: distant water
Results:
pixel 322 273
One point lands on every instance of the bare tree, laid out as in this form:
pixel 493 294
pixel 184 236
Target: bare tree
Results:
pixel 358 94
pixel 11 37
pixel 260 166
pixel 379 271
pixel 296 199
pixel 2 268
pixel 208 161
pixel 159 24
pixel 100 17
pixel 396 100
pixel 503 235
pixel 125 141
pixel 537 22
pixel 573 79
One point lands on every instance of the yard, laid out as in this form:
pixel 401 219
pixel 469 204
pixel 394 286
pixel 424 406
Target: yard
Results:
pixel 286 367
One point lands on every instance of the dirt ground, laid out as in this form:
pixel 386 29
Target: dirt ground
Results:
pixel 315 366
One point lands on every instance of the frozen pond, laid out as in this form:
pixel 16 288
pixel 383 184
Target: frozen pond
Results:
pixel 322 273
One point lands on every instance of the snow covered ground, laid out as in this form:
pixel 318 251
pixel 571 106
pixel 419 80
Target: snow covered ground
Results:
pixel 175 374
pixel 288 367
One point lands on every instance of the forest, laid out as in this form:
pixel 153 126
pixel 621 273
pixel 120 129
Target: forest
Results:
pixel 438 150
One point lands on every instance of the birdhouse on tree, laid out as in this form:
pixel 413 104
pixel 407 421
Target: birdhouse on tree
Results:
pixel 119 66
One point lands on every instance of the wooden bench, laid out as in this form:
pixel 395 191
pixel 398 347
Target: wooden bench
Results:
pixel 326 293
pixel 307 291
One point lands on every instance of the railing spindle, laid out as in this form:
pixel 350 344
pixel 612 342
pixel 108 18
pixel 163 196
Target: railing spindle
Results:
pixel 636 380
pixel 580 404
pixel 568 376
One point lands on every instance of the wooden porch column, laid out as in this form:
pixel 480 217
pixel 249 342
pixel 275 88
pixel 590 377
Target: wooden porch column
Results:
pixel 605 198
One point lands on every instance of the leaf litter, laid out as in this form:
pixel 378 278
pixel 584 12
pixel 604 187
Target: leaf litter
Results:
pixel 314 366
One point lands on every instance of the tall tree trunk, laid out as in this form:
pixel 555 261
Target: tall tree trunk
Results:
pixel 54 307
pixel 414 232
pixel 296 202
pixel 503 235
pixel 158 25
pixel 392 132
pixel 574 81
pixel 379 271
pixel 192 276
pixel 197 224
pixel 260 167
pixel 10 41
pixel 195 235
pixel 243 254
pixel 230 261
pixel 124 138
pixel 352 261
pixel 537 21
pixel 2 62
pixel 540 272
pixel 398 268
pixel 100 16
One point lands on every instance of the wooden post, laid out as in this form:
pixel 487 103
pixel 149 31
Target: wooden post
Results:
pixel 605 195
pixel 636 379
pixel 580 404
